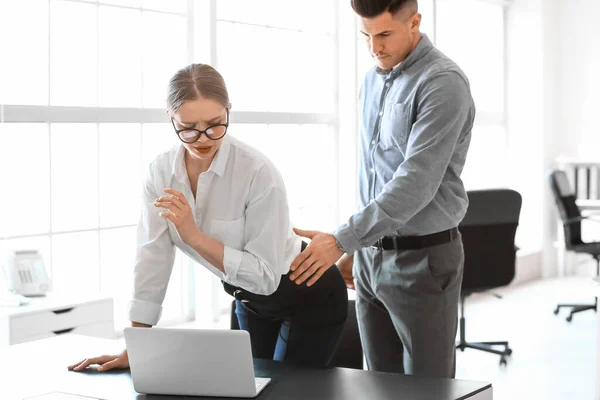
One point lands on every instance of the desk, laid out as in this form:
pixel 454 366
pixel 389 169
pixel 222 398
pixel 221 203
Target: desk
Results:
pixel 53 315
pixel 24 372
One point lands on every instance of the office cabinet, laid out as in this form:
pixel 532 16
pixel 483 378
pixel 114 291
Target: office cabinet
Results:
pixel 53 315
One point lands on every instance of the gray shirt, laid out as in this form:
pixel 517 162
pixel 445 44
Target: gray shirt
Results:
pixel 415 131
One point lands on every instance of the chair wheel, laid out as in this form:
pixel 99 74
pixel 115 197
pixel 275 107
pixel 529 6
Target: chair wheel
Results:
pixel 503 361
pixel 508 351
pixel 556 310
pixel 569 318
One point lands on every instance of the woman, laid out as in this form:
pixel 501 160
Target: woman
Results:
pixel 224 204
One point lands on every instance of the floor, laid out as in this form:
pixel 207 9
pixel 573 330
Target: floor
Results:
pixel 552 359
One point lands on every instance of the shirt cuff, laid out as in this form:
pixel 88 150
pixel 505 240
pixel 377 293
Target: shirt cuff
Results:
pixel 144 312
pixel 346 239
pixel 232 259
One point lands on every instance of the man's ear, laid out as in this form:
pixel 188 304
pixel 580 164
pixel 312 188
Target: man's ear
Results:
pixel 415 22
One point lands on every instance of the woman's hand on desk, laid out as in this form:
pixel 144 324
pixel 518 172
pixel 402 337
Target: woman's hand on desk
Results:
pixel 104 363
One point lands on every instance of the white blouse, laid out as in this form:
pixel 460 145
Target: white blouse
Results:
pixel 240 201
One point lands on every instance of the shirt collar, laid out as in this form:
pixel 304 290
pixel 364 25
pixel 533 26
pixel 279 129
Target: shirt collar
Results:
pixel 220 161
pixel 217 165
pixel 423 47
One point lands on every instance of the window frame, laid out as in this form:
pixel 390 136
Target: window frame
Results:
pixel 50 114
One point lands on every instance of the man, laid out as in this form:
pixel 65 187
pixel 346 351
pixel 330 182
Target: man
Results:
pixel 417 115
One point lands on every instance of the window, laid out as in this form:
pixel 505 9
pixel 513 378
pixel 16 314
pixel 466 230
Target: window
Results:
pixel 272 84
pixel 482 60
pixel 68 65
pixel 313 208
pixel 481 57
pixel 427 11
pixel 280 68
pixel 82 116
pixel 24 148
pixel 24 74
pixel 74 176
pixel 487 158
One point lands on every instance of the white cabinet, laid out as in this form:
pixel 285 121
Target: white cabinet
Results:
pixel 54 315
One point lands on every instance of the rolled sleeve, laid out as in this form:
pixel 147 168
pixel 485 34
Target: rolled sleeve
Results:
pixel 232 259
pixel 345 236
pixel 144 312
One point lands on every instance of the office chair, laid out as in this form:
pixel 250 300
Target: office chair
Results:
pixel 571 218
pixel 488 234
pixel 349 352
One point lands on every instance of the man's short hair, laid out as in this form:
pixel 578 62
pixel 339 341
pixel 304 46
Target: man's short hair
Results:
pixel 373 8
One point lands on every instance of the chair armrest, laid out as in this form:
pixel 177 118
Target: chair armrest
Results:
pixel 582 218
pixel 574 220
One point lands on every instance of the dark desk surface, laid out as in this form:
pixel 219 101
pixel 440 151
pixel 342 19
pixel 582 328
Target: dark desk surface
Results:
pixel 39 367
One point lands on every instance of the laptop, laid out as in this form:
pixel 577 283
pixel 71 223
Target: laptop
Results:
pixel 192 362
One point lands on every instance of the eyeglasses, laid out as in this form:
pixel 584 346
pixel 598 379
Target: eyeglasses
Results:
pixel 213 132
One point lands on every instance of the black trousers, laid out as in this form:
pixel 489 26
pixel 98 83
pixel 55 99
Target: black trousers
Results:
pixel 297 323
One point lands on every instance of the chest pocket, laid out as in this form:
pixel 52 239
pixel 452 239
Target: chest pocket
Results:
pixel 395 125
pixel 230 233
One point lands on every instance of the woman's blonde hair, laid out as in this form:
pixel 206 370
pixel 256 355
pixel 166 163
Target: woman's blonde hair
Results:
pixel 194 81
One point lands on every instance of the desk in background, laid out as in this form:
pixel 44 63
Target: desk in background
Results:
pixel 38 367
pixel 53 315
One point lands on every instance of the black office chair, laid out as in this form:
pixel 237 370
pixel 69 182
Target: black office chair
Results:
pixel 571 218
pixel 488 234
pixel 349 352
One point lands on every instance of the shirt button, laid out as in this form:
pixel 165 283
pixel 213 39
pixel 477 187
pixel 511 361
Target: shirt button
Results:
pixel 387 84
pixel 380 113
pixel 373 142
pixel 372 170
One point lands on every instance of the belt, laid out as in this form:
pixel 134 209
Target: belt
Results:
pixel 415 242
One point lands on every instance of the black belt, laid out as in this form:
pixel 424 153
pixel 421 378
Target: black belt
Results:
pixel 415 242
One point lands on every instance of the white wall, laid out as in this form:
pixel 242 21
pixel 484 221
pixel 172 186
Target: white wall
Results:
pixel 553 59
pixel 579 77
pixel 578 102
pixel 551 148
pixel 533 135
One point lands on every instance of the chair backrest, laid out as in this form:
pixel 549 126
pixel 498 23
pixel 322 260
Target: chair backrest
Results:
pixel 564 197
pixel 488 234
pixel 349 352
